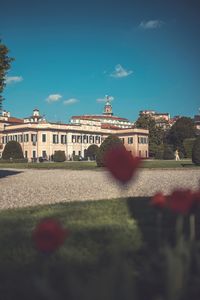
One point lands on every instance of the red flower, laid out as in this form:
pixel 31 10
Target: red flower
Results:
pixel 159 200
pixel 121 163
pixel 181 201
pixel 49 235
pixel 196 198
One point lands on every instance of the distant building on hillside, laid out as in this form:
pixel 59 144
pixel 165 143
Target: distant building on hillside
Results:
pixel 162 119
pixel 197 122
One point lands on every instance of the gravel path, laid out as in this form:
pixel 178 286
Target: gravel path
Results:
pixel 19 188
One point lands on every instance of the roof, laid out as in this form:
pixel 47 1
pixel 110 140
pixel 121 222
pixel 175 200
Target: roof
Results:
pixel 109 126
pixel 90 117
pixel 197 118
pixel 14 120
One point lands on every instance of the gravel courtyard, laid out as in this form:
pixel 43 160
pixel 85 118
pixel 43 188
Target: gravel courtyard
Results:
pixel 20 188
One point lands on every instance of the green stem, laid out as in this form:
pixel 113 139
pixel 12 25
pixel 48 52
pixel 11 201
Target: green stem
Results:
pixel 192 227
pixel 179 227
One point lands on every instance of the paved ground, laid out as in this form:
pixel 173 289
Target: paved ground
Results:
pixel 19 188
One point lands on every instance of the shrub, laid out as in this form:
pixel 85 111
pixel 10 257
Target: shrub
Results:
pixel 168 152
pixel 41 159
pixel 76 157
pixel 59 156
pixel 22 160
pixel 159 150
pixel 196 151
pixel 91 151
pixel 110 142
pixel 188 145
pixel 159 154
pixel 12 150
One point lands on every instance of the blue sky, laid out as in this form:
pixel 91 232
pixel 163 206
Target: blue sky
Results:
pixel 70 54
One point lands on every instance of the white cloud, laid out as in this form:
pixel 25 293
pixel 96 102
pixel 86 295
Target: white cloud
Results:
pixel 99 100
pixel 151 24
pixel 70 101
pixel 13 79
pixel 120 72
pixel 53 98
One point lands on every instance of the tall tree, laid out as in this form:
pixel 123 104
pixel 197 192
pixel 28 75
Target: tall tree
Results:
pixel 182 129
pixel 156 134
pixel 5 64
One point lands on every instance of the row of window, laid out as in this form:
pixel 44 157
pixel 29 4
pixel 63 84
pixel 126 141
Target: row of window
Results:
pixel 56 139
pixel 86 139
pixel 24 138
pixel 142 140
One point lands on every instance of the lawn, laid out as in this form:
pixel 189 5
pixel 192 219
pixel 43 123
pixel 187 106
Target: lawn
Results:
pixel 110 254
pixel 91 165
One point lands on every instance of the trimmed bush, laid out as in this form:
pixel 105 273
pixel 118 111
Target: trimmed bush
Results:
pixel 59 156
pixel 188 145
pixel 196 152
pixel 76 157
pixel 91 152
pixel 168 152
pixel 111 141
pixel 12 150
pixel 14 161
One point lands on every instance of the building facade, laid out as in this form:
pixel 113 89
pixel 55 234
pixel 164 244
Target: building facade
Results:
pixel 40 138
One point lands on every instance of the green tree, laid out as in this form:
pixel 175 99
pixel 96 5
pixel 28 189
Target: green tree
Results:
pixel 5 64
pixel 111 141
pixel 12 150
pixel 196 151
pixel 188 145
pixel 168 152
pixel 59 156
pixel 182 129
pixel 156 134
pixel 92 151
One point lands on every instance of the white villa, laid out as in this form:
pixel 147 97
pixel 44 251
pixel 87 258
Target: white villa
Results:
pixel 40 138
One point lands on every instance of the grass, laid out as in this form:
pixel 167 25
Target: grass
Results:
pixel 85 165
pixel 111 253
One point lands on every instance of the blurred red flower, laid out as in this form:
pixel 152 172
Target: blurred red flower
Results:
pixel 49 235
pixel 158 200
pixel 181 201
pixel 196 198
pixel 121 163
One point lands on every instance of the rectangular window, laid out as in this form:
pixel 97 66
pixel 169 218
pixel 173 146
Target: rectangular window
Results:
pixel 79 153
pixel 26 137
pixel 26 154
pixel 73 138
pixel 55 139
pixel 34 138
pixel 79 139
pixel 97 139
pixel 91 139
pixel 20 138
pixel 44 154
pixel 74 153
pixel 44 139
pixel 34 154
pixel 130 140
pixel 63 139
